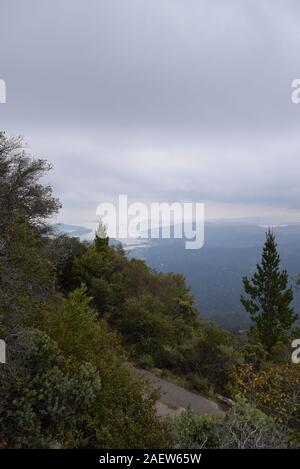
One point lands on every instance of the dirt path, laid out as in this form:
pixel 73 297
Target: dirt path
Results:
pixel 175 398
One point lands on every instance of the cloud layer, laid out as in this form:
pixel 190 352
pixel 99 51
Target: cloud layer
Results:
pixel 170 100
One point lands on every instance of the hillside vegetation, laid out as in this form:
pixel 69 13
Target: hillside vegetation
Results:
pixel 73 314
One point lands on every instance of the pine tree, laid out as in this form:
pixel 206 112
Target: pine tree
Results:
pixel 269 298
pixel 101 238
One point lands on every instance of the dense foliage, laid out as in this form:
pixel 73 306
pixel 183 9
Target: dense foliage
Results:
pixel 73 314
pixel 65 383
pixel 275 390
pixel 243 427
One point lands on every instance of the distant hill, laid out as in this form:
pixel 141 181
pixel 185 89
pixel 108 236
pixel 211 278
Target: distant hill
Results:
pixel 72 230
pixel 215 272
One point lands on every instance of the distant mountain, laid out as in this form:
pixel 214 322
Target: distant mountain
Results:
pixel 72 230
pixel 215 272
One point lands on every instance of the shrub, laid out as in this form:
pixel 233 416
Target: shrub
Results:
pixel 246 427
pixel 200 383
pixel 243 427
pixel 43 403
pixel 192 431
pixel 146 361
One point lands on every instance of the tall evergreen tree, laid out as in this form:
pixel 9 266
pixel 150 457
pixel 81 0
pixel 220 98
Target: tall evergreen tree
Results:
pixel 269 298
pixel 101 238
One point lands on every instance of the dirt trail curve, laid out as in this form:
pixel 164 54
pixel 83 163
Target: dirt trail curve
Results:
pixel 174 398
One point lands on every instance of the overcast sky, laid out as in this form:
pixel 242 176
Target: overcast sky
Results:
pixel 171 100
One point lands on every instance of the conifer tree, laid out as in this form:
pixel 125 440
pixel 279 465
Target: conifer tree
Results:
pixel 101 238
pixel 269 297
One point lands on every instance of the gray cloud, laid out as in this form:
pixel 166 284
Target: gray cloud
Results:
pixel 177 99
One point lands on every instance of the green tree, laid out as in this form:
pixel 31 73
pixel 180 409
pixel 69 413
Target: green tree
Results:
pixel 211 356
pixel 65 383
pixel 20 190
pixel 269 298
pixel 123 412
pixel 26 273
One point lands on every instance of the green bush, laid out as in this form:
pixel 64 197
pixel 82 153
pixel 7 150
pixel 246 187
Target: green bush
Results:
pixel 194 432
pixel 243 427
pixel 200 383
pixel 43 403
pixel 146 361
